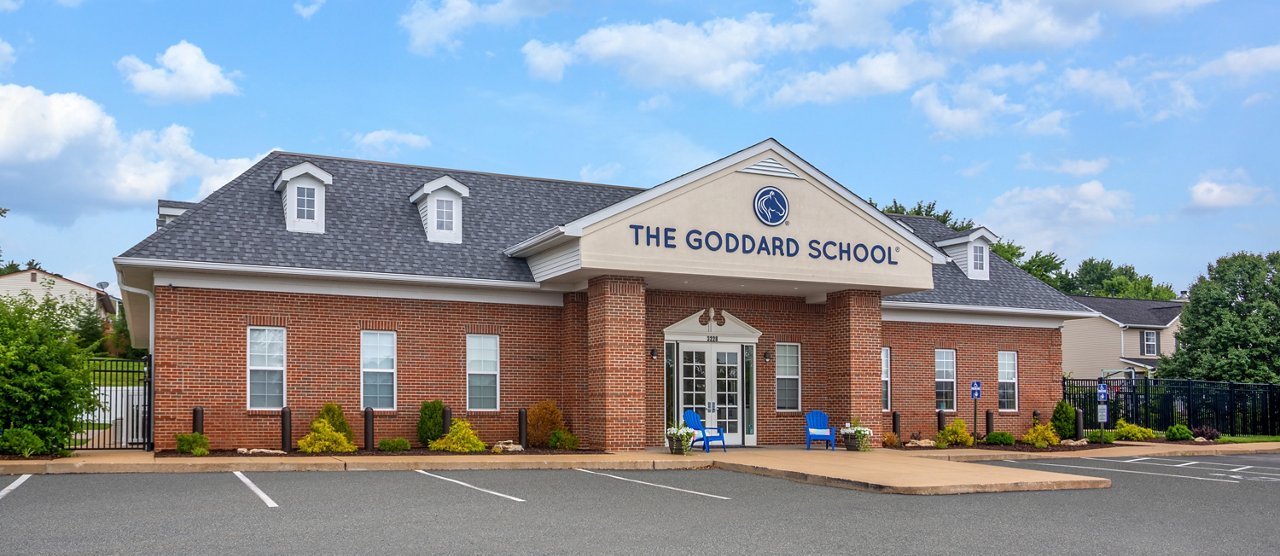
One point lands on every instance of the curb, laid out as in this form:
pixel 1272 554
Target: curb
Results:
pixel 1081 483
pixel 1019 456
pixel 261 465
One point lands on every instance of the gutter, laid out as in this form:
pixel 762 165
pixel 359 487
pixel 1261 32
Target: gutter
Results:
pixel 908 305
pixel 324 273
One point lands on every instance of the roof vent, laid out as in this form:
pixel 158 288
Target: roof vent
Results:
pixel 770 167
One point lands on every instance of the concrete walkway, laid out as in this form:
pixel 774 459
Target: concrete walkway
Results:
pixel 887 471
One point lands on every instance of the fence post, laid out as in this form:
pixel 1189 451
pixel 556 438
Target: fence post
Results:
pixel 897 425
pixel 991 422
pixel 1191 405
pixel 368 428
pixel 1079 423
pixel 197 419
pixel 1231 404
pixel 286 429
pixel 524 428
pixel 942 420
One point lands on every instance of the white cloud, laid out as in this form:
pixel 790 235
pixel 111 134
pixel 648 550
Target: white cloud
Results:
pixel 974 170
pixel 183 74
pixel 1223 190
pixel 1048 124
pixel 10 5
pixel 969 113
pixel 1103 85
pixel 1242 64
pixel 1183 101
pixel 1012 24
pixel 872 74
pixel 389 141
pixel 998 75
pixel 1058 218
pixel 1150 7
pixel 1075 167
pixel 1255 99
pixel 308 10
pixel 433 26
pixel 81 161
pixel 599 174
pixel 546 61
pixel 654 102
pixel 845 23
pixel 7 57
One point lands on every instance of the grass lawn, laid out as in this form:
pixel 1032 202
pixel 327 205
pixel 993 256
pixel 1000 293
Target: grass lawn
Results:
pixel 95 426
pixel 1224 439
pixel 123 372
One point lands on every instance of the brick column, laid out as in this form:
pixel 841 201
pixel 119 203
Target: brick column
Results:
pixel 616 352
pixel 853 357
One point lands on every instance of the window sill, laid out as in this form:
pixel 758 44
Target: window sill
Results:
pixel 786 410
pixel 263 411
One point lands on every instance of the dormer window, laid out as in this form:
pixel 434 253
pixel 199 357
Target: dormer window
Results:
pixel 979 258
pixel 302 191
pixel 440 207
pixel 971 251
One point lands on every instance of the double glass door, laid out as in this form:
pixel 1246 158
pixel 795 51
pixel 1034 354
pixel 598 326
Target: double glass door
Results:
pixel 711 385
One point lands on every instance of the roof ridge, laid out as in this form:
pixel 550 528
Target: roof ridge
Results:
pixel 442 169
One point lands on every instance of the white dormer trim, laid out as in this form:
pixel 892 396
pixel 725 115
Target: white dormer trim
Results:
pixel 733 331
pixel 439 205
pixel 981 232
pixel 964 252
pixel 310 179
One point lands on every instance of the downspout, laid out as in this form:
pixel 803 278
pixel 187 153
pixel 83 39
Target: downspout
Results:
pixel 151 363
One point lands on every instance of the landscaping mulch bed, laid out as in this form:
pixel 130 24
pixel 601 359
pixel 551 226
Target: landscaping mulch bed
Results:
pixel 414 452
pixel 45 457
pixel 1163 441
pixel 1019 447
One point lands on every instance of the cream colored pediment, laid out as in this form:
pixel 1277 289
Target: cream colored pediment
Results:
pixel 719 327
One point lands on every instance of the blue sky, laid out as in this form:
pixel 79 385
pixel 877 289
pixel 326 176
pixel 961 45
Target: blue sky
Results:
pixel 1142 131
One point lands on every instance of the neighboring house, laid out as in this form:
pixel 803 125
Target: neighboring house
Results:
pixel 39 283
pixel 750 291
pixel 1128 334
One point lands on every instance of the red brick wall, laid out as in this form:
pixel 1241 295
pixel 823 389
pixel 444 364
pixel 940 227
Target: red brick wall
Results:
pixel 852 326
pixel 1039 372
pixel 616 356
pixel 200 360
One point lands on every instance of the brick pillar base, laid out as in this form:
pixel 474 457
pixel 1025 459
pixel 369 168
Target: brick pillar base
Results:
pixel 616 353
pixel 853 357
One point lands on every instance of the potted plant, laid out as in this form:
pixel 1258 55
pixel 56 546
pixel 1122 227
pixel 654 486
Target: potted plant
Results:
pixel 856 437
pixel 679 437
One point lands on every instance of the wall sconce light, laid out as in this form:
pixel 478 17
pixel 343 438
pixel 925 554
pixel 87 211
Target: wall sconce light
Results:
pixel 768 356
pixel 653 353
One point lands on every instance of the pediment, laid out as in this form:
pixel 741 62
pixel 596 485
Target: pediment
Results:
pixel 712 326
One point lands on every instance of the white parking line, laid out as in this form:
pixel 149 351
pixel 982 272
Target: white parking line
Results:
pixel 1134 460
pixel 14 485
pixel 267 499
pixel 1187 464
pixel 1242 468
pixel 1135 472
pixel 717 497
pixel 455 481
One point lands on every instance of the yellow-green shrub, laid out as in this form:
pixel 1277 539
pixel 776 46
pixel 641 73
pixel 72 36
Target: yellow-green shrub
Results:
pixel 1130 431
pixel 1041 436
pixel 563 440
pixel 460 439
pixel 955 434
pixel 323 438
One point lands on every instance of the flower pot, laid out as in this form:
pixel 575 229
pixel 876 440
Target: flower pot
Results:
pixel 850 441
pixel 678 446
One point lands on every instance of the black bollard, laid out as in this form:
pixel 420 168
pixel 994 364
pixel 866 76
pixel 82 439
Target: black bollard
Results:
pixel 524 428
pixel 942 420
pixel 991 422
pixel 197 419
pixel 1035 416
pixel 286 429
pixel 368 428
pixel 448 419
pixel 897 425
pixel 1079 424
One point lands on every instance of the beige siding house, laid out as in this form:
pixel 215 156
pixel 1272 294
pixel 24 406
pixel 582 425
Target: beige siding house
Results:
pixel 1129 334
pixel 39 283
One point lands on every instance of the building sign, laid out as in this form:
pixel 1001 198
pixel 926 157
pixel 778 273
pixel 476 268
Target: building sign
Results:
pixel 771 206
pixel 695 239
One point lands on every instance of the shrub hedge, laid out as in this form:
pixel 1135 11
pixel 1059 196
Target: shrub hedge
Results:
pixel 189 442
pixel 460 439
pixel 999 438
pixel 1179 432
pixel 544 419
pixel 21 442
pixel 430 421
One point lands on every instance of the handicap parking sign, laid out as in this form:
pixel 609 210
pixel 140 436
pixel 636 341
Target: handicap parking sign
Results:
pixel 975 389
pixel 1102 391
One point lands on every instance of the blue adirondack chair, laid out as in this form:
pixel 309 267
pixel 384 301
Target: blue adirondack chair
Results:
pixel 705 434
pixel 817 427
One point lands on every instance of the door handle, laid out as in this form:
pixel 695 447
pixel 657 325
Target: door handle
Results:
pixel 711 406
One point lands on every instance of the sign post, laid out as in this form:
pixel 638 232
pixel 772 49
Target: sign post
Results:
pixel 975 392
pixel 1102 404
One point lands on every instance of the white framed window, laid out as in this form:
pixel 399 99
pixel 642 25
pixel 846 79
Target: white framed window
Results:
pixel 787 371
pixel 1007 362
pixel 1149 342
pixel 444 215
pixel 306 204
pixel 482 372
pixel 266 367
pixel 885 393
pixel 378 369
pixel 944 379
pixel 979 257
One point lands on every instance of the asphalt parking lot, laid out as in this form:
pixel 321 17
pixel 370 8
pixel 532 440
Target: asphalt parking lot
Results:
pixel 1210 505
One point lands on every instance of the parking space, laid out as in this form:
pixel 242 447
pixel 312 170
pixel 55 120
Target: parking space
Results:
pixel 577 511
pixel 1250 470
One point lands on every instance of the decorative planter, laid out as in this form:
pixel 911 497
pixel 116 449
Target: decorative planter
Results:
pixel 678 445
pixel 854 442
pixel 850 442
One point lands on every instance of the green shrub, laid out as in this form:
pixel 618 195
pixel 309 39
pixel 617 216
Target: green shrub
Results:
pixel 999 438
pixel 1101 437
pixel 21 442
pixel 393 445
pixel 323 438
pixel 954 434
pixel 1130 431
pixel 563 440
pixel 332 413
pixel 187 443
pixel 199 451
pixel 1178 432
pixel 544 419
pixel 460 439
pixel 1041 436
pixel 430 421
pixel 1064 420
pixel 45 383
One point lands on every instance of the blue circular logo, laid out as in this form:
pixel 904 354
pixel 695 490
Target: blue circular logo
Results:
pixel 771 206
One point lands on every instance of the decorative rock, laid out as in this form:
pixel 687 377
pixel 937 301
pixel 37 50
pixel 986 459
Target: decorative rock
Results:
pixel 242 450
pixel 266 451
pixel 1201 439
pixel 1069 442
pixel 926 443
pixel 507 446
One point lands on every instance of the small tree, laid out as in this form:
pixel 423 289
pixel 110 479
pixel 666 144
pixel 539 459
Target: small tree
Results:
pixel 1064 420
pixel 430 421
pixel 45 382
pixel 88 326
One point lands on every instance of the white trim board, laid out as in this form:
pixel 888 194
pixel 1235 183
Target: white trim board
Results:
pixel 282 284
pixel 951 317
pixel 985 309
pixel 168 264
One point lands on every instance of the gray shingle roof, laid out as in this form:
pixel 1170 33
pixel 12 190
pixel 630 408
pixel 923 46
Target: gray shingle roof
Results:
pixel 1133 312
pixel 1152 362
pixel 165 203
pixel 1008 286
pixel 370 225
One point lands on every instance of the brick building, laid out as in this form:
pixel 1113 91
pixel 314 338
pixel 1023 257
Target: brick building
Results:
pixel 752 289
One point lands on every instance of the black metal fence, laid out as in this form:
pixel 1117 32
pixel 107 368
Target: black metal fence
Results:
pixel 1231 407
pixel 124 419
